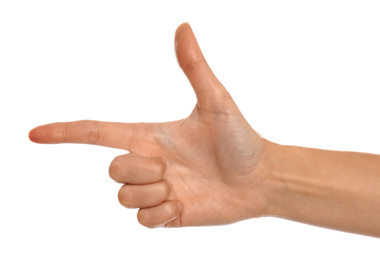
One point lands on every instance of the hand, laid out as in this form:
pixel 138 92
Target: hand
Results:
pixel 207 169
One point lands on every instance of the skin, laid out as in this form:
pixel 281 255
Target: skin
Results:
pixel 212 168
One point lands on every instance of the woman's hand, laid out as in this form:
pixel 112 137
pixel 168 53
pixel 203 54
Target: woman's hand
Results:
pixel 206 169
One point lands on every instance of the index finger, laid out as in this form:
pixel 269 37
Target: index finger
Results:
pixel 115 135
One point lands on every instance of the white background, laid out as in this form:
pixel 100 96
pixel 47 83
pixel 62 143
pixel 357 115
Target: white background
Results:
pixel 302 72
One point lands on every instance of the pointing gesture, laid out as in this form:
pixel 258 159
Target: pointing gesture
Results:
pixel 212 168
pixel 205 169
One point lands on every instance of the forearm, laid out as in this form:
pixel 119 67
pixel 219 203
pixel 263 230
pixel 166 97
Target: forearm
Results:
pixel 338 190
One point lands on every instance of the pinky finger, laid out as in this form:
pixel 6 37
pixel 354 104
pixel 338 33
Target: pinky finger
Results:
pixel 159 215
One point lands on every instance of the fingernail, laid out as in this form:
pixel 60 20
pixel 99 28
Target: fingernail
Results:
pixel 180 206
pixel 170 186
pixel 160 226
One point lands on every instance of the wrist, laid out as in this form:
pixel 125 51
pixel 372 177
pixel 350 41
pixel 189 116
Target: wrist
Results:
pixel 274 181
pixel 264 189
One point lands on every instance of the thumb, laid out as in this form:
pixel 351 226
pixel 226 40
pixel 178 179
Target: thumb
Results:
pixel 190 58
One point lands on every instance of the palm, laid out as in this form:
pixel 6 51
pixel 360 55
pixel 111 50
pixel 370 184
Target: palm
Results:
pixel 204 161
pixel 212 158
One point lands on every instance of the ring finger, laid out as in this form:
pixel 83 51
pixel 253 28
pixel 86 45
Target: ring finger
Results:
pixel 144 196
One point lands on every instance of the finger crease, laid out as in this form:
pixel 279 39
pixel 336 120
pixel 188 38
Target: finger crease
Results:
pixel 131 138
pixel 64 131
pixel 93 134
pixel 192 66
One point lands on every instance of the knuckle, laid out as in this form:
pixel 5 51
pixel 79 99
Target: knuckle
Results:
pixel 93 133
pixel 170 209
pixel 159 167
pixel 165 188
pixel 143 218
pixel 115 169
pixel 125 197
pixel 192 65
